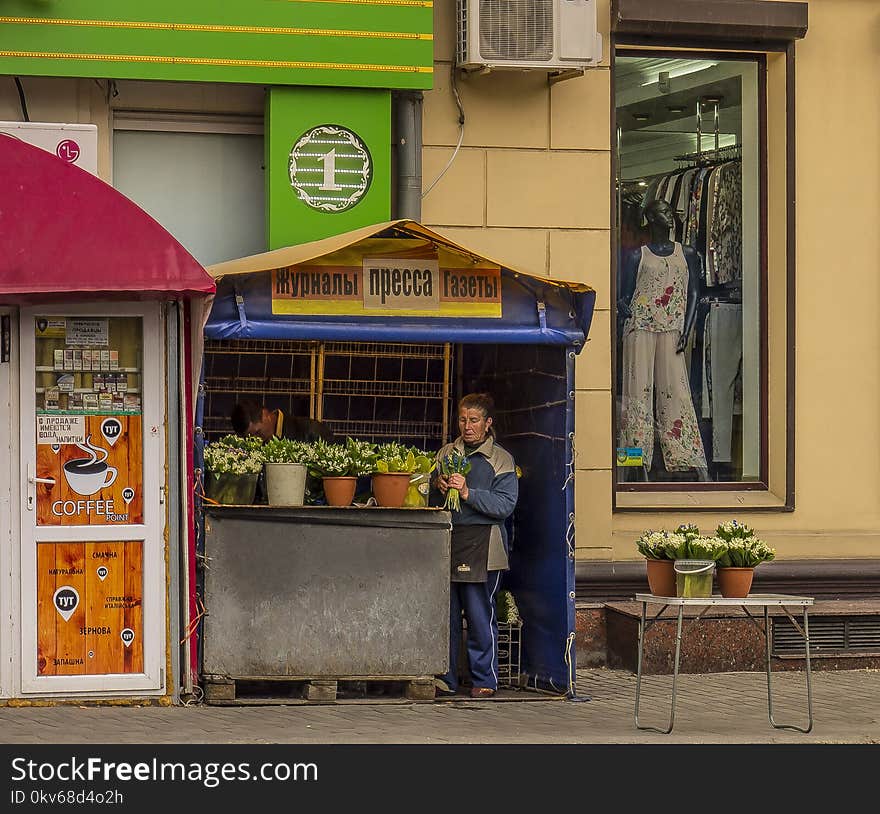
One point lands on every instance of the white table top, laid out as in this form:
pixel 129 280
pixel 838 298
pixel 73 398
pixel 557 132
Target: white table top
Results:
pixel 752 600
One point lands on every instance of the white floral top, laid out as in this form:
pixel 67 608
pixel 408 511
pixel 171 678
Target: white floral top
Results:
pixel 658 303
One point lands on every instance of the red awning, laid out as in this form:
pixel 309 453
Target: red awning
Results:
pixel 64 231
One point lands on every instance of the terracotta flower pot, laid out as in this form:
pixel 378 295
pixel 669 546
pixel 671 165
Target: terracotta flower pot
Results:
pixel 661 577
pixel 339 491
pixel 735 583
pixel 390 488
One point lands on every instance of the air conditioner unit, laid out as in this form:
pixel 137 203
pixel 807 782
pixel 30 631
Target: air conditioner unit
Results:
pixel 553 35
pixel 73 143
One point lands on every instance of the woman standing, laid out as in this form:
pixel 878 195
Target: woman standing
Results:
pixel 488 494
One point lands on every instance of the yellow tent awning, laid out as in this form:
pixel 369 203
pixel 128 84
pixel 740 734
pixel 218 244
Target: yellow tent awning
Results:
pixel 405 228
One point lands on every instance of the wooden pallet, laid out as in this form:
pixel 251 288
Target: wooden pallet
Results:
pixel 257 690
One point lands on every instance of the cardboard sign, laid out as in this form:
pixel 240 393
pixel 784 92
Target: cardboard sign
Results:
pixel 388 286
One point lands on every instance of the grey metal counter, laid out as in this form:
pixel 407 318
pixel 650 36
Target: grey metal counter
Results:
pixel 322 591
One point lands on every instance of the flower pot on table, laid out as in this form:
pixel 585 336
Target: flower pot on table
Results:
pixel 661 577
pixel 390 488
pixel 735 583
pixel 285 483
pixel 339 491
pixel 231 489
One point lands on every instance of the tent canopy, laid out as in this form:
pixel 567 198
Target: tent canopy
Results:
pixel 63 231
pixel 530 309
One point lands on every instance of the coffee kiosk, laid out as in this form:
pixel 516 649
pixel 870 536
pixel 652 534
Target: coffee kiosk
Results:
pixel 96 300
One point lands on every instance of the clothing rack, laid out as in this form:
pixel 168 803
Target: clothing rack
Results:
pixel 703 157
pixel 732 152
pixel 732 297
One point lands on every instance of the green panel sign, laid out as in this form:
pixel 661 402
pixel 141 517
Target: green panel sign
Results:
pixel 328 160
pixel 351 43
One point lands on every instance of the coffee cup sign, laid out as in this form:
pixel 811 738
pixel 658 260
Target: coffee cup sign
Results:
pixel 65 599
pixel 86 476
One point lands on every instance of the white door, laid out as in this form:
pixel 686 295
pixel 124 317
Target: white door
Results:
pixel 93 600
pixel 8 476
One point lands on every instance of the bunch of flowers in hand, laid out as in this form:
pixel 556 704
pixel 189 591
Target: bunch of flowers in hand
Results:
pixel 742 548
pixel 234 455
pixel 454 463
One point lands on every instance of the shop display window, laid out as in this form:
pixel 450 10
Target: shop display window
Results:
pixel 88 365
pixel 690 289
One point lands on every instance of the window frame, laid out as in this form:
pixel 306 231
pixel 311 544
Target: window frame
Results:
pixel 712 496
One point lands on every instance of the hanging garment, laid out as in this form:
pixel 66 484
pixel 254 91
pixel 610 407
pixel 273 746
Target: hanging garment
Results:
pixel 659 300
pixel 722 349
pixel 656 394
pixel 725 238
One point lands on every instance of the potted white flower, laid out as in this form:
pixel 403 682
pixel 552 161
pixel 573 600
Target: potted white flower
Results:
pixel 287 464
pixel 655 547
pixel 232 466
pixel 742 552
pixel 340 465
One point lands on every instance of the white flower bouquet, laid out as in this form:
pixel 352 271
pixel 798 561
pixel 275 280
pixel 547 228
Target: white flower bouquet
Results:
pixel 659 545
pixel 233 455
pixel 287 451
pixel 334 460
pixel 742 549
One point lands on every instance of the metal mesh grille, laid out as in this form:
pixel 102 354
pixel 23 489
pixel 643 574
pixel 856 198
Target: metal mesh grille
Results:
pixel 837 635
pixel 509 646
pixel 461 31
pixel 516 29
pixel 375 391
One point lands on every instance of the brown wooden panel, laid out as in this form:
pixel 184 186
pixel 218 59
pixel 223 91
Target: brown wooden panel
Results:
pixel 90 641
pixel 133 612
pixel 46 612
pixel 109 658
pixel 78 496
pixel 70 650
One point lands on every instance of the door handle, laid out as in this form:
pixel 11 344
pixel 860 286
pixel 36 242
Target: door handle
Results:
pixel 32 480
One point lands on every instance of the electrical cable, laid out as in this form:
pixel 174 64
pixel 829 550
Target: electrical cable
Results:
pixel 460 133
pixel 22 99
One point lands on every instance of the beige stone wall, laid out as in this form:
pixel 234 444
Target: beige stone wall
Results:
pixel 531 187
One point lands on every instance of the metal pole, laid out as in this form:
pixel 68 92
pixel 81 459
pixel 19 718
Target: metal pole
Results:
pixel 408 150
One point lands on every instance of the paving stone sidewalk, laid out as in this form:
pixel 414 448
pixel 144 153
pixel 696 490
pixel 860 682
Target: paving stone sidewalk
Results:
pixel 711 708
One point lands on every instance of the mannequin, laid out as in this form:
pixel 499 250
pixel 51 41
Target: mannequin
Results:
pixel 658 300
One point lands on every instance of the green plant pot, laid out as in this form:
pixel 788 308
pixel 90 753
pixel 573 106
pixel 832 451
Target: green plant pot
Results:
pixel 230 489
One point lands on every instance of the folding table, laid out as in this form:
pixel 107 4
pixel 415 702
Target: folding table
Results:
pixel 765 601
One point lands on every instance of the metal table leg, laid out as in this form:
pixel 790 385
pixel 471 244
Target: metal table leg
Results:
pixel 674 672
pixel 805 632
